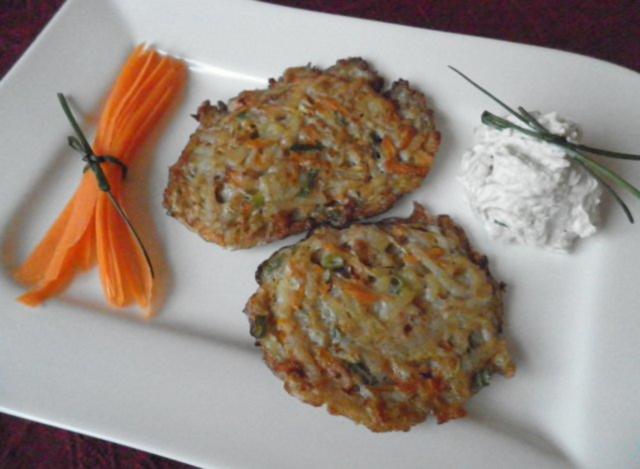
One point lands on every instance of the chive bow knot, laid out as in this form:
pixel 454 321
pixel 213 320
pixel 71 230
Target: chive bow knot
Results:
pixel 94 163
pixel 91 160
pixel 81 145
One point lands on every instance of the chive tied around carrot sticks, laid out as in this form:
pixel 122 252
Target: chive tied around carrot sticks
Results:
pixel 93 227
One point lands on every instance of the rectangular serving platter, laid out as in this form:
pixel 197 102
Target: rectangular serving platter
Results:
pixel 189 384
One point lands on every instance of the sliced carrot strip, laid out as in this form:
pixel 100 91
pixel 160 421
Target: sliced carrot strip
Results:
pixel 86 252
pixel 43 291
pixel 33 269
pixel 90 229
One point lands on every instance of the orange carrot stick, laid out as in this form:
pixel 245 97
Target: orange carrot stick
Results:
pixel 91 229
pixel 31 271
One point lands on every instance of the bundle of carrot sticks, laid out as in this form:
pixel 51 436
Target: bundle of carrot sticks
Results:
pixel 91 229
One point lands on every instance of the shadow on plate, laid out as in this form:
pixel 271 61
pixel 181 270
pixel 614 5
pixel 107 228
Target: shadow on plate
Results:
pixel 210 336
pixel 11 237
pixel 520 432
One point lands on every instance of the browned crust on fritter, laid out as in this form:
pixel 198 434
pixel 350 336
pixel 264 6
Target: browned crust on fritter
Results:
pixel 420 218
pixel 318 374
pixel 403 161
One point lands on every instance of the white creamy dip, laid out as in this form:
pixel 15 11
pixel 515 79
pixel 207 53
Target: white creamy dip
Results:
pixel 528 191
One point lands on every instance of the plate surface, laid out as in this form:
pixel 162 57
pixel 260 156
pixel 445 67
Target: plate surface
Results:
pixel 189 384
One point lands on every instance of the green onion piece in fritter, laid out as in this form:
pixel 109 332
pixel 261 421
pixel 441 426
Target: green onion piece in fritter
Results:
pixel 481 379
pixel 272 265
pixel 476 339
pixel 332 262
pixel 258 327
pixel 395 285
pixel 336 335
pixel 326 276
pixel 257 199
pixel 334 215
pixel 303 147
pixel 361 370
pixel 308 182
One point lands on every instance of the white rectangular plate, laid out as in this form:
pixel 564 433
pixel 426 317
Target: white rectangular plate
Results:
pixel 190 385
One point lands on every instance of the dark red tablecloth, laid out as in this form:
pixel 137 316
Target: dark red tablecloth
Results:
pixel 608 30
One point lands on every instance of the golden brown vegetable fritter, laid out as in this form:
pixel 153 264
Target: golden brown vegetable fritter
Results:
pixel 385 323
pixel 316 146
